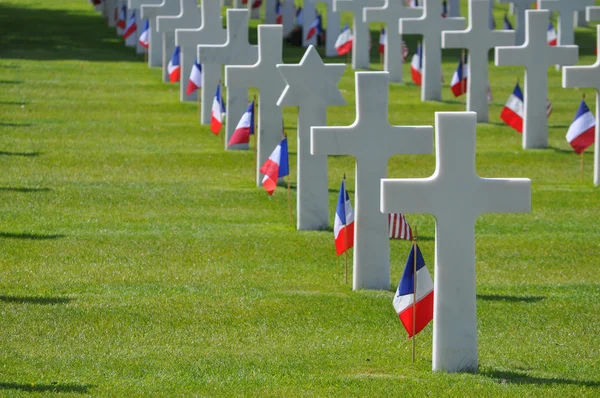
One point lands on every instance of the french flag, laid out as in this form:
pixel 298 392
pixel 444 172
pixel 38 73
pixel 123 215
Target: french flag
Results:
pixel 382 41
pixel 343 44
pixel 581 132
pixel 404 301
pixel 195 81
pixel 343 226
pixel 551 35
pixel 244 128
pixel 145 36
pixel 512 113
pixel 416 66
pixel 276 166
pixel 121 20
pixel 278 13
pixel 131 27
pixel 255 3
pixel 444 9
pixel 314 28
pixel 459 80
pixel 174 66
pixel 218 112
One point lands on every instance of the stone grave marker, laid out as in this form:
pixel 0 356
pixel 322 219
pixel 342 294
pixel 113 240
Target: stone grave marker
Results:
pixel 333 28
pixel 311 86
pixel 454 8
pixel 478 39
pixel 288 11
pixel 161 45
pixel 309 13
pixel 372 141
pixel 455 195
pixel 592 13
pixel 588 76
pixel 360 30
pixel 110 6
pixel 518 8
pixel 536 55
pixel 131 41
pixel 390 14
pixel 189 17
pixel 264 76
pixel 431 25
pixel 210 32
pixel 237 50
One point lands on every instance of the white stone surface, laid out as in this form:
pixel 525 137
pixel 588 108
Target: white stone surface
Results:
pixel 132 40
pixel 270 15
pixel 254 12
pixel 390 14
pixel 264 76
pixel 588 76
pixel 592 14
pixel 454 8
pixel 518 8
pixel 579 19
pixel 312 86
pixel 431 25
pixel 360 29
pixel 309 13
pixel 237 50
pixel 120 4
pixel 372 141
pixel 210 32
pixel 161 45
pixel 109 6
pixel 141 21
pixel 332 26
pixel 455 195
pixel 478 39
pixel 189 17
pixel 288 11
pixel 566 10
pixel 536 56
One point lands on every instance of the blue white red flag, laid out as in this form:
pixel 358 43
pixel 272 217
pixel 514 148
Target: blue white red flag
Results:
pixel 512 113
pixel 507 24
pixel 343 225
pixel 582 130
pixel 404 302
pixel 343 44
pixel 299 16
pixel 145 36
pixel 551 35
pixel 459 80
pixel 122 19
pixel 218 112
pixel 244 128
pixel 278 13
pixel 255 3
pixel 174 67
pixel 382 41
pixel 276 166
pixel 195 81
pixel 314 28
pixel 131 27
pixel 416 66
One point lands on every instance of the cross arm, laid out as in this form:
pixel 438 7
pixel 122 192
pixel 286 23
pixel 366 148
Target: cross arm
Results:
pixel 238 76
pixel 150 11
pixel 411 26
pixel 408 195
pixel 510 56
pixel 503 195
pixel 333 140
pixel 592 14
pixel 139 3
pixel 185 35
pixel 581 76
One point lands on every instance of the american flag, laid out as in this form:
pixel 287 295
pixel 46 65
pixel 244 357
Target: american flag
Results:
pixel 404 51
pixel 398 227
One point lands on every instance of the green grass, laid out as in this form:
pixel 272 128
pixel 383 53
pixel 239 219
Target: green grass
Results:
pixel 138 258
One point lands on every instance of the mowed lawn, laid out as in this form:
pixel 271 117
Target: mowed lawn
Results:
pixel 138 258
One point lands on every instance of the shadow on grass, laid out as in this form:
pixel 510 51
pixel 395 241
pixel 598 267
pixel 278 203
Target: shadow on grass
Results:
pixel 35 300
pixel 507 377
pixel 24 190
pixel 293 187
pixel 8 235
pixel 515 299
pixel 561 150
pixel 52 387
pixel 4 124
pixel 10 81
pixel 14 103
pixel 23 154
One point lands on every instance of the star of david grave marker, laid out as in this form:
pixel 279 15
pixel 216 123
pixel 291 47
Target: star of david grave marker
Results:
pixel 333 28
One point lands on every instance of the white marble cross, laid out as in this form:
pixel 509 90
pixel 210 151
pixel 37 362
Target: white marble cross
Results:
pixel 237 50
pixel 270 11
pixel 312 86
pixel 264 76
pixel 333 28
pixel 288 11
pixel 584 77
pixel 454 8
pixel 536 55
pixel 519 7
pixel 478 39
pixel 372 141
pixel 390 14
pixel 592 13
pixel 189 17
pixel 164 44
pixel 456 196
pixel 131 41
pixel 109 6
pixel 431 25
pixel 210 32
pixel 360 30
pixel 137 4
pixel 566 10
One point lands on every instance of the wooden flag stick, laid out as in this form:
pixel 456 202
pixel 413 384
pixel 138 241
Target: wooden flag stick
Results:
pixel 345 234
pixel 380 53
pixel 255 134
pixel 414 320
pixel 462 81
pixel 582 158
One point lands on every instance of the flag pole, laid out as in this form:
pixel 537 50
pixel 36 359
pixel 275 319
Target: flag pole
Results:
pixel 582 157
pixel 255 133
pixel 221 107
pixel 345 234
pixel 462 81
pixel 381 54
pixel 288 186
pixel 414 305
